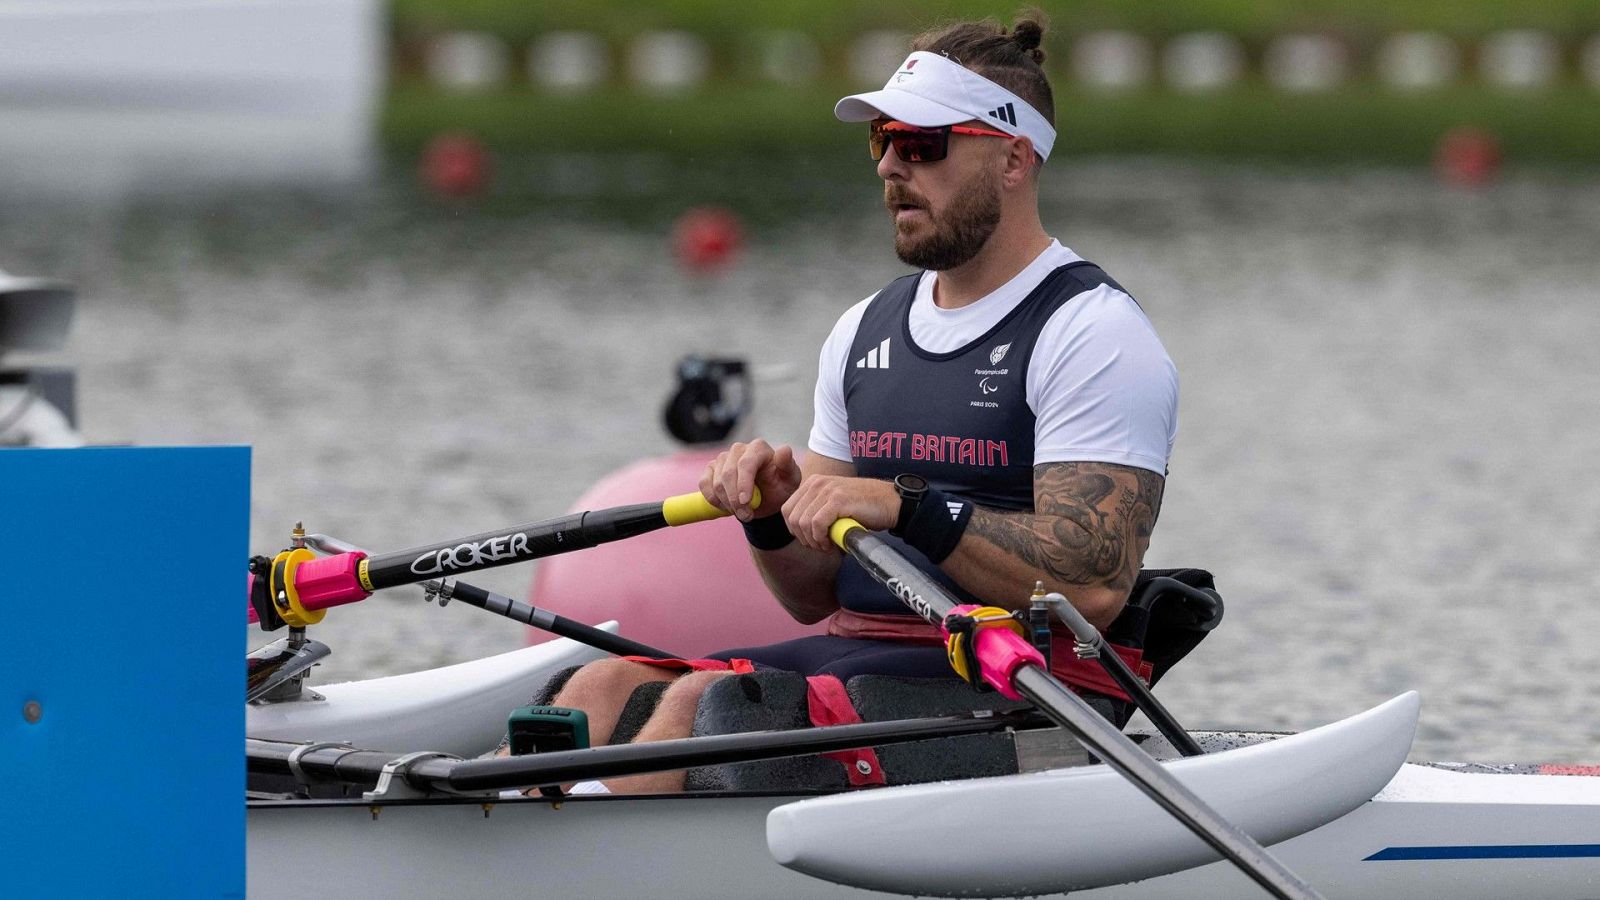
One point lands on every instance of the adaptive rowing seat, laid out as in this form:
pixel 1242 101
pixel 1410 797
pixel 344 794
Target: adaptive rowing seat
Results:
pixel 775 701
pixel 1169 613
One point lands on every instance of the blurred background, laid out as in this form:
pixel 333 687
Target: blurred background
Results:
pixel 437 262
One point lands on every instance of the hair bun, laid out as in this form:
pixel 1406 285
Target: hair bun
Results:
pixel 1027 34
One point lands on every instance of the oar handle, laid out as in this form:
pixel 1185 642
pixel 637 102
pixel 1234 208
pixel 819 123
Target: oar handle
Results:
pixel 686 509
pixel 842 527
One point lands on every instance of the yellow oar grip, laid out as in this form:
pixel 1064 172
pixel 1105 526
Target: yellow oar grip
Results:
pixel 688 508
pixel 840 528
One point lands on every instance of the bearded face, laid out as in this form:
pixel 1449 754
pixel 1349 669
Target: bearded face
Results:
pixel 944 237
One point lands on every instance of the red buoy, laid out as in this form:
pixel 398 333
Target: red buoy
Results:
pixel 1468 156
pixel 705 239
pixel 455 165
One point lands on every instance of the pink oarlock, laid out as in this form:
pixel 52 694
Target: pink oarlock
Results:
pixel 330 581
pixel 999 649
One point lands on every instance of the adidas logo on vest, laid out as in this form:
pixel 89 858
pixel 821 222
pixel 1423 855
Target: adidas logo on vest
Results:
pixel 876 358
pixel 955 509
pixel 1007 114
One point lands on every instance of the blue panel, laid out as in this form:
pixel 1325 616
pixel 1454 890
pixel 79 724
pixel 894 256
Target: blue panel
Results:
pixel 122 572
pixel 1488 851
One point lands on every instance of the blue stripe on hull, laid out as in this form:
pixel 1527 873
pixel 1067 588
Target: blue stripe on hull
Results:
pixel 1489 851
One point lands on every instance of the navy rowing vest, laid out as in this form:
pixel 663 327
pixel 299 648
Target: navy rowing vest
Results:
pixel 959 419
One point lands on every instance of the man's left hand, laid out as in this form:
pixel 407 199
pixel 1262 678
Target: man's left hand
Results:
pixel 823 499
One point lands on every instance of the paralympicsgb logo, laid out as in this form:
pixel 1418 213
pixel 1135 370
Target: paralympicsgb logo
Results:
pixel 998 354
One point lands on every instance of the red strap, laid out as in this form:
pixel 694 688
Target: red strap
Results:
pixel 829 704
pixel 1088 674
pixel 1080 674
pixel 736 666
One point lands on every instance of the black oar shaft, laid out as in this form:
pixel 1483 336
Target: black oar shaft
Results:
pixel 563 767
pixel 528 614
pixel 932 602
pixel 1113 747
pixel 508 546
pixel 515 610
pixel 1152 708
pixel 662 756
pixel 1086 634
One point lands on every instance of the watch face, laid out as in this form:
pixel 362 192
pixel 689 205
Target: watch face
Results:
pixel 911 484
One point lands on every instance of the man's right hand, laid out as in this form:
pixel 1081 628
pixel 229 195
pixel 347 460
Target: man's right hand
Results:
pixel 729 480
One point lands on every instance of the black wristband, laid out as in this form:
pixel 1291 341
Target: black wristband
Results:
pixel 768 532
pixel 938 524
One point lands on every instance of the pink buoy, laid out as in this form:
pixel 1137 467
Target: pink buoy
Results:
pixel 689 590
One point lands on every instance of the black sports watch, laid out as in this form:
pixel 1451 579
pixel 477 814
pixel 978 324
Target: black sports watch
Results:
pixel 911 488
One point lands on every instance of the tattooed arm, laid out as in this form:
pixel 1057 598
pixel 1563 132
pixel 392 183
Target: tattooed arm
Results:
pixel 1086 538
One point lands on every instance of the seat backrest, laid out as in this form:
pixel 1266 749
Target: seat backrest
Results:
pixel 1169 612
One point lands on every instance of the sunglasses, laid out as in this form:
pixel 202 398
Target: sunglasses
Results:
pixel 914 144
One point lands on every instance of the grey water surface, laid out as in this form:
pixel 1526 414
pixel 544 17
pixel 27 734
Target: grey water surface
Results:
pixel 1389 422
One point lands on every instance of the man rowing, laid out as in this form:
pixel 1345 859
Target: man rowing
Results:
pixel 1006 413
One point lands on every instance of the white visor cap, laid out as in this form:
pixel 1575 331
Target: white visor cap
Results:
pixel 930 90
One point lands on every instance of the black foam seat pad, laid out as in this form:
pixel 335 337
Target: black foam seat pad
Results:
pixel 773 700
pixel 768 700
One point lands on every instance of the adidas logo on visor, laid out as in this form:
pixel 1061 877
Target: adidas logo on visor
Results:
pixel 1007 114
pixel 940 86
pixel 876 358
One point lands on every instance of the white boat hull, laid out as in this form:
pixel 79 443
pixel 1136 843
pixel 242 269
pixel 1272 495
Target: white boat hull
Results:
pixel 1443 814
pixel 715 845
pixel 458 709
pixel 710 847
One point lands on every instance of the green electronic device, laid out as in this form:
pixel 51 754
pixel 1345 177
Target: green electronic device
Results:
pixel 545 729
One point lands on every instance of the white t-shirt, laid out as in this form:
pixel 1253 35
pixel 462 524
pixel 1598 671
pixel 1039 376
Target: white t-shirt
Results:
pixel 1101 386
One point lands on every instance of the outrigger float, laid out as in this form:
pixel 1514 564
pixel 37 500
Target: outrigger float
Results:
pixel 375 788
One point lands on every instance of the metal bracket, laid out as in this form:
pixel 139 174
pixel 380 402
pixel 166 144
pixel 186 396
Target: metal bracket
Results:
pixel 1041 749
pixel 300 776
pixel 392 783
pixel 284 666
pixel 440 590
pixel 329 545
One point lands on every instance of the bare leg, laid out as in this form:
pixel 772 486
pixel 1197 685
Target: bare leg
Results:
pixel 602 688
pixel 673 718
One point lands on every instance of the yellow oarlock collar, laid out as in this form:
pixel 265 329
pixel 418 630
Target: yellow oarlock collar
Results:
pixel 982 617
pixel 284 596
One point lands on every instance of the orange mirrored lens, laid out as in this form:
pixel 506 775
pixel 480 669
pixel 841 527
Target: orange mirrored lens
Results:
pixel 911 144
